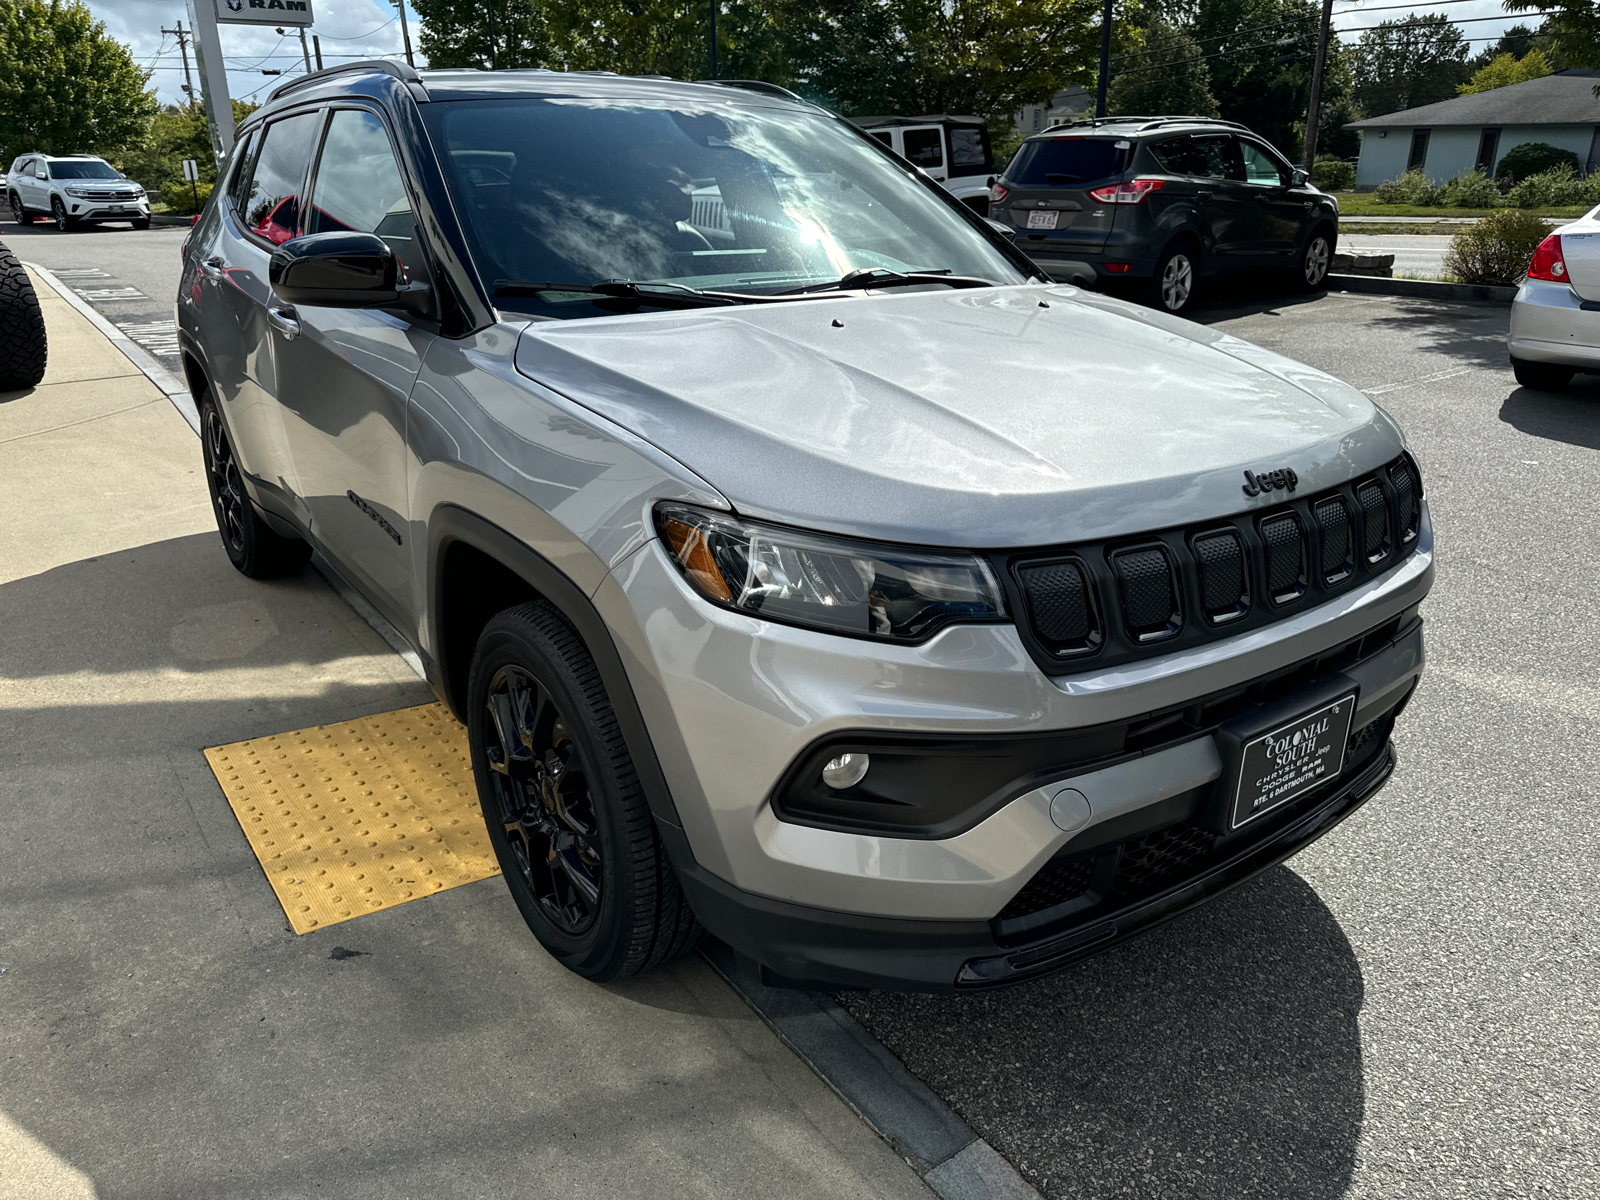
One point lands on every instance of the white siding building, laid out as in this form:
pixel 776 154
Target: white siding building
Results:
pixel 1453 136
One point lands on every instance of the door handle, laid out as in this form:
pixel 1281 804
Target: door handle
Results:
pixel 211 268
pixel 1203 195
pixel 281 317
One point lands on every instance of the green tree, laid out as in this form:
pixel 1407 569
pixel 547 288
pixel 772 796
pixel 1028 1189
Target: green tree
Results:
pixel 1517 41
pixel 65 84
pixel 1406 63
pixel 988 57
pixel 175 133
pixel 1506 70
pixel 1168 76
pixel 1574 29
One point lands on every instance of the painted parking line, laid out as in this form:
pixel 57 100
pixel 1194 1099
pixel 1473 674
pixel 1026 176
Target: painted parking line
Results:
pixel 1405 383
pixel 360 816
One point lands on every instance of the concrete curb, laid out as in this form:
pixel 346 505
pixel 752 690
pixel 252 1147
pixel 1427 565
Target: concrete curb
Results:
pixel 942 1148
pixel 171 386
pixel 1423 288
pixel 171 219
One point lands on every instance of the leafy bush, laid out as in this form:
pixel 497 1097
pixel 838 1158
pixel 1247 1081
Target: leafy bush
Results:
pixel 1496 249
pixel 1470 189
pixel 1547 189
pixel 1332 174
pixel 1533 158
pixel 1411 188
pixel 179 195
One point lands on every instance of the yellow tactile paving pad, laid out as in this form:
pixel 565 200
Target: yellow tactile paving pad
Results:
pixel 351 818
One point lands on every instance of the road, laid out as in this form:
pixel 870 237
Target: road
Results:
pixel 1415 256
pixel 130 276
pixel 1409 1008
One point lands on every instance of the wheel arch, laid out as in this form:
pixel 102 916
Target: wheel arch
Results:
pixel 475 570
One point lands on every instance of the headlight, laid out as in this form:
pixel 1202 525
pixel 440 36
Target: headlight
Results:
pixel 79 192
pixel 835 584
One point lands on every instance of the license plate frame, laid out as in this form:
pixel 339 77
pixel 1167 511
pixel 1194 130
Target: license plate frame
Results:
pixel 1044 218
pixel 1280 764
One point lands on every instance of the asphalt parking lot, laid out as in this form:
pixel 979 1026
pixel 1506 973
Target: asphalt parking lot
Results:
pixel 1407 1009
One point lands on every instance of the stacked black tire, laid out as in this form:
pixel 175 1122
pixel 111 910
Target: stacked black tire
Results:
pixel 22 341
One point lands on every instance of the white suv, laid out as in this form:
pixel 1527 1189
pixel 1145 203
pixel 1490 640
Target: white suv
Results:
pixel 72 189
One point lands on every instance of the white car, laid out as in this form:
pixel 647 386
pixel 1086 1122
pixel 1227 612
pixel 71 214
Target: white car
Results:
pixel 953 151
pixel 1555 319
pixel 72 190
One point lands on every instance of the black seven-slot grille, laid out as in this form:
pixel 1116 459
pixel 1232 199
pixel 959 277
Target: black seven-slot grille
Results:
pixel 1129 598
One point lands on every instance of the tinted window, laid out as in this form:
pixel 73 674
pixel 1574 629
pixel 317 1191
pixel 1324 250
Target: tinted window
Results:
pixel 1216 156
pixel 272 203
pixel 1261 167
pixel 884 136
pixel 578 191
pixel 240 180
pixel 358 186
pixel 83 170
pixel 924 147
pixel 969 147
pixel 1067 160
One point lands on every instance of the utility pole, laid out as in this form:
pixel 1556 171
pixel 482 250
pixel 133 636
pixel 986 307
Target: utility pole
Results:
pixel 316 46
pixel 1105 61
pixel 305 52
pixel 183 36
pixel 1314 108
pixel 715 4
pixel 405 32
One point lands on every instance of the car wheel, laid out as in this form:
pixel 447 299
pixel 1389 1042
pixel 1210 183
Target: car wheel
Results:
pixel 1172 287
pixel 22 335
pixel 1316 257
pixel 1544 377
pixel 19 211
pixel 566 813
pixel 142 223
pixel 253 548
pixel 63 222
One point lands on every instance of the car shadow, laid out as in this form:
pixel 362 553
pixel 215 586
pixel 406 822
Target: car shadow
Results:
pixel 1218 1057
pixel 1571 414
pixel 1472 333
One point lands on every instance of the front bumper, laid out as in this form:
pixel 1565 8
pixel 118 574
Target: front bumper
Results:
pixel 108 210
pixel 1550 323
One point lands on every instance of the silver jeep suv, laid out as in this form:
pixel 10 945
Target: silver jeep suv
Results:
pixel 803 566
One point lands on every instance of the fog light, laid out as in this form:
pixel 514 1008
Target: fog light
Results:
pixel 846 770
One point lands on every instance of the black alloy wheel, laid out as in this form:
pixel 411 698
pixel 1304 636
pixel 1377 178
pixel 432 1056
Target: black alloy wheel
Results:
pixel 19 211
pixel 565 811
pixel 253 548
pixel 63 222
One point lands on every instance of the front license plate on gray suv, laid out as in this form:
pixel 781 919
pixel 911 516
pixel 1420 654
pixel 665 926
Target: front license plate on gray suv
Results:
pixel 1291 759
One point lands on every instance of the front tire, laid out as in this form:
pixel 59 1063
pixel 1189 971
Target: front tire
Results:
pixel 1543 377
pixel 1316 259
pixel 1177 274
pixel 19 211
pixel 142 223
pixel 63 222
pixel 254 549
pixel 565 811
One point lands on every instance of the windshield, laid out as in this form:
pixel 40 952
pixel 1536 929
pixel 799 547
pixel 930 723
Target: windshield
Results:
pixel 82 170
pixel 578 190
pixel 1064 160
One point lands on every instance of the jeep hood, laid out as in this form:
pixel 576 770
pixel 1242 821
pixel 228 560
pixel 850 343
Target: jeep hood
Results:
pixel 1000 417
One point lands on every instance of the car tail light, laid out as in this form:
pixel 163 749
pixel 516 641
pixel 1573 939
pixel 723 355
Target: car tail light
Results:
pixel 1130 192
pixel 1547 263
pixel 998 193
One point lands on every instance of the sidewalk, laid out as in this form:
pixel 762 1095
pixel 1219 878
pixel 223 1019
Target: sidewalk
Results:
pixel 162 1032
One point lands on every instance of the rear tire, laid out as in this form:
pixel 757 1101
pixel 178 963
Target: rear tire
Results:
pixel 23 346
pixel 19 211
pixel 1171 289
pixel 564 807
pixel 1543 377
pixel 254 549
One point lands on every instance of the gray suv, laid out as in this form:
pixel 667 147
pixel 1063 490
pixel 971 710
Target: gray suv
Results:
pixel 803 567
pixel 1151 204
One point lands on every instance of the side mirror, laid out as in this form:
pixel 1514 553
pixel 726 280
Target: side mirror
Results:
pixel 1298 178
pixel 1002 229
pixel 338 270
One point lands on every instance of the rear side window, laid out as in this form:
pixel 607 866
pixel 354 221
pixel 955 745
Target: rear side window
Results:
pixel 1064 161
pixel 924 148
pixel 272 202
pixel 969 147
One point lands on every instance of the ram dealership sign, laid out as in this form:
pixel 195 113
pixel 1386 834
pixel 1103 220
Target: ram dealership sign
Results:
pixel 263 12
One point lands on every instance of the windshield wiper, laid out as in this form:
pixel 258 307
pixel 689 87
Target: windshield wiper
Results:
pixel 880 277
pixel 671 295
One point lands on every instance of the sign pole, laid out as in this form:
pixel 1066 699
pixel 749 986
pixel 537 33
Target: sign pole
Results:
pixel 213 78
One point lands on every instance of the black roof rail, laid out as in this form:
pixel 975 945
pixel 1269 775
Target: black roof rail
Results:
pixel 402 72
pixel 758 85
